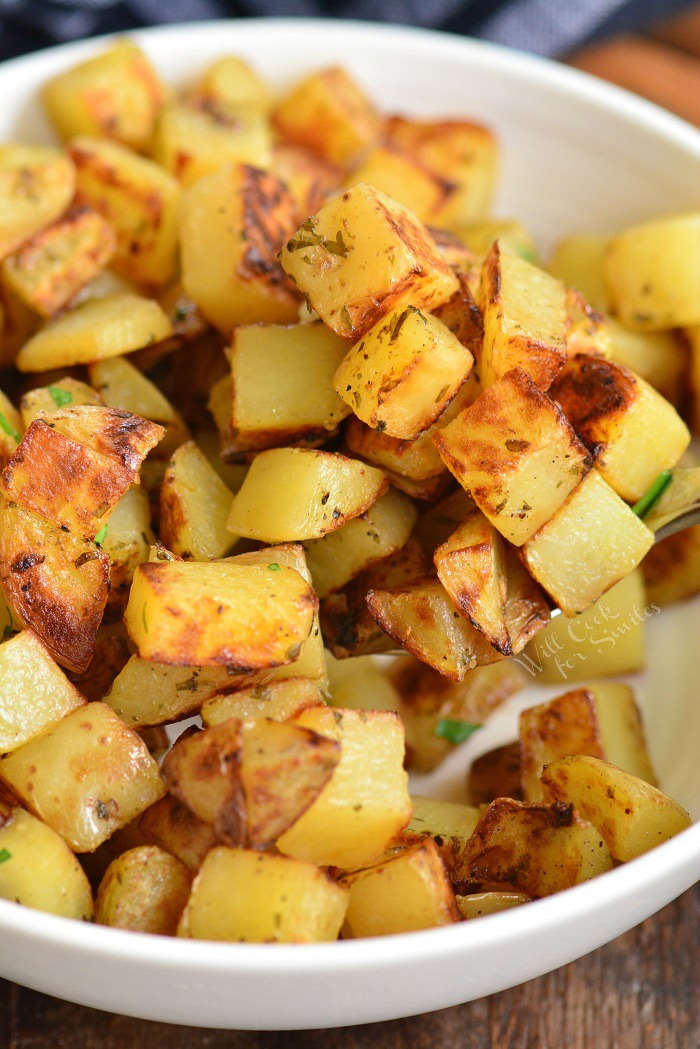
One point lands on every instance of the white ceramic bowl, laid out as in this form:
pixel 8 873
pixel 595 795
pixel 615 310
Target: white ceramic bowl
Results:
pixel 578 155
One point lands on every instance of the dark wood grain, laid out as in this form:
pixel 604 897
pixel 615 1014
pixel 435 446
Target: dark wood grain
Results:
pixel 640 992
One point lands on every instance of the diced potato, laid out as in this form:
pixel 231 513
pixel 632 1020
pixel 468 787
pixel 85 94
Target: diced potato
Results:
pixel 480 904
pixel 380 531
pixel 403 373
pixel 632 815
pixel 511 235
pixel 194 507
pixel 516 455
pixel 579 261
pixel 190 143
pixel 11 427
pixel 631 430
pixel 416 460
pixel 145 890
pixel 278 900
pixel 405 180
pixel 448 824
pixel 55 583
pixel 219 614
pixel 466 153
pixel 407 892
pixel 328 113
pixel 366 802
pixel 126 540
pixel 139 200
pixel 294 494
pixel 672 568
pixel 590 543
pixel 601 720
pixel 360 684
pixel 463 317
pixel 587 330
pixel 524 320
pixel 233 223
pixel 363 255
pixel 39 870
pixel 495 774
pixel 652 272
pixel 36 186
pixel 53 265
pixel 34 693
pixel 17 324
pixel 106 774
pixel 658 357
pixel 534 849
pixel 282 379
pixel 457 254
pixel 98 328
pixel 277 700
pixel 44 400
pixel 307 176
pixel 608 638
pixel 173 827
pixel 232 474
pixel 230 85
pixel 116 94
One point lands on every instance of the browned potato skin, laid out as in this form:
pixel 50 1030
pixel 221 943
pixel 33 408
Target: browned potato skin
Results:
pixel 672 567
pixel 111 652
pixel 175 828
pixel 565 725
pixel 462 315
pixel 495 774
pixel 309 177
pixel 145 890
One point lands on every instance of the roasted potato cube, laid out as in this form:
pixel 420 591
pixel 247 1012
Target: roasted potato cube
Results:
pixel 631 430
pixel 405 179
pixel 125 538
pixel 495 774
pixel 278 700
pixel 36 186
pixel 360 684
pixel 277 900
pixel 98 328
pixel 534 849
pixel 282 380
pixel 232 474
pixel 589 544
pixel 652 272
pixel 366 802
pixel 672 568
pixel 328 113
pixel 55 583
pixel 516 455
pixel 380 531
pixel 44 400
pixel 608 638
pixel 308 177
pixel 658 357
pixel 579 261
pixel 407 892
pixel 363 255
pixel 511 235
pixel 139 200
pixel 416 460
pixel 106 774
pixel 219 613
pixel 480 904
pixel 145 890
pixel 229 85
pixel 314 493
pixel 403 373
pixel 110 655
pixel 190 143
pixel 466 153
pixel 194 507
pixel 39 870
pixel 631 814
pixel 233 223
pixel 11 427
pixel 601 720
pixel 448 824
pixel 173 827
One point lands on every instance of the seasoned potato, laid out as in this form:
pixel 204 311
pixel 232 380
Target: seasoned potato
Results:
pixel 403 373
pixel 233 223
pixel 173 827
pixel 11 427
pixel 145 889
pixel 416 460
pixel 360 684
pixel 53 265
pixel 328 113
pixel 223 613
pixel 534 849
pixel 105 771
pixel 366 802
pixel 282 384
pixel 516 455
pixel 116 94
pixel 139 200
pixel 448 824
pixel 190 143
pixel 481 903
pixel 404 179
pixel 658 357
pixel 125 538
pixel 579 262
pixel 406 892
pixel 36 186
pixel 278 900
pixel 314 493
pixel 652 272
pixel 307 176
pixel 194 507
pixel 463 317
pixel 587 330
pixel 110 654
pixel 495 774
pixel 278 700
pixel 229 85
pixel 99 328
pixel 44 400
pixel 672 568
pixel 632 815
pixel 55 583
pixel 589 544
pixel 363 255
pixel 39 870
pixel 632 432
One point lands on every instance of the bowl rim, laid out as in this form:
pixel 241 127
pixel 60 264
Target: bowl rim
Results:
pixel 550 913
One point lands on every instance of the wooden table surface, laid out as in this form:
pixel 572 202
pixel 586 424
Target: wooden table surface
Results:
pixel 639 992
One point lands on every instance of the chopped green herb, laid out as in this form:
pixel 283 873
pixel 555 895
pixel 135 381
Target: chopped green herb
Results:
pixel 5 855
pixel 181 311
pixel 102 534
pixel 60 397
pixel 398 321
pixel 274 567
pixel 347 319
pixel 8 428
pixel 653 493
pixel 527 254
pixel 454 730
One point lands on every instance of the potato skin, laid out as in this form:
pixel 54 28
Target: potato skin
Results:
pixel 495 774
pixel 145 890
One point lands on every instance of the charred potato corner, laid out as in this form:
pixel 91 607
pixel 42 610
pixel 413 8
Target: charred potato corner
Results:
pixel 300 443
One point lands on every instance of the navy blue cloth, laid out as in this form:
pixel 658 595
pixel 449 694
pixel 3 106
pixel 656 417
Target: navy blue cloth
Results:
pixel 547 27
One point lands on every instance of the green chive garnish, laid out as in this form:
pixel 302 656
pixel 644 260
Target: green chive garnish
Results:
pixel 653 493
pixel 59 396
pixel 9 428
pixel 5 855
pixel 274 567
pixel 102 534
pixel 455 730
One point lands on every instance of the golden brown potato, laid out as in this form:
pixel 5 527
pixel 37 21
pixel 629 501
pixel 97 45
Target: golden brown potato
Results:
pixel 110 654
pixel 587 330
pixel 672 568
pixel 11 427
pixel 416 460
pixel 363 255
pixel 448 824
pixel 125 538
pixel 194 507
pixel 658 357
pixel 191 143
pixel 481 903
pixel 145 890
pixel 278 700
pixel 360 684
pixel 495 774
pixel 516 455
pixel 579 261
pixel 308 177
pixel 36 186
pixel 230 85
pixel 405 179
pixel 173 827
pixel 44 400
pixel 511 235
